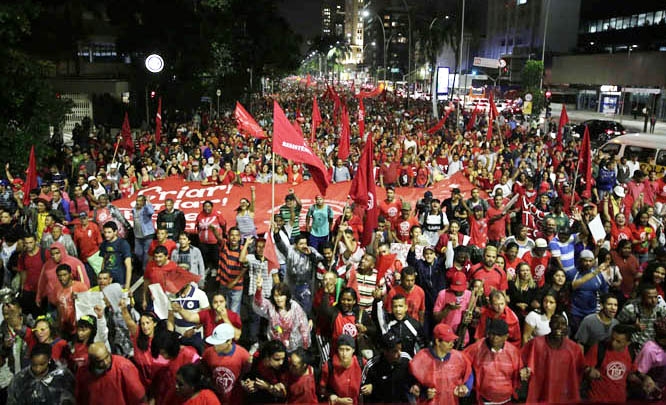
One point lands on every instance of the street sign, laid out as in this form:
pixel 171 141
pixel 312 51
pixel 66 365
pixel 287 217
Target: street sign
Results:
pixel 528 97
pixel 486 62
pixel 218 92
pixel 527 107
pixel 205 99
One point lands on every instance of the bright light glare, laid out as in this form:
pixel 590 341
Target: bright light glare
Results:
pixel 154 63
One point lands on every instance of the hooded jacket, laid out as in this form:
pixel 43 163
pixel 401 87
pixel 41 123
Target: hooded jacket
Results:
pixel 49 285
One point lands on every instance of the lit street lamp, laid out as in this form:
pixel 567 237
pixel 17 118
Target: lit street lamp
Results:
pixel 154 64
pixel 368 13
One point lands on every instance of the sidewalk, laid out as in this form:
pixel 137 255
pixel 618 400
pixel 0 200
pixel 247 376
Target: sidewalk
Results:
pixel 632 125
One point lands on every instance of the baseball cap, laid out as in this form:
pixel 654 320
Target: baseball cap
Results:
pixel 430 248
pixel 83 215
pixel 497 327
pixel 346 340
pixel 221 334
pixel 458 281
pixel 389 341
pixel 406 206
pixel 444 332
pixel 586 254
pixel 541 243
pixel 91 178
pixel 619 191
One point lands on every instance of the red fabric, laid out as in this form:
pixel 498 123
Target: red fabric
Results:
pixel 246 124
pixel 204 224
pixel 169 244
pixel 564 120
pixel 158 122
pixel 226 371
pixel 444 376
pixel 616 366
pixel 288 144
pixel 345 135
pixel 171 277
pixel 79 356
pixel 496 375
pixel 270 253
pixel 495 278
pixel 126 133
pixel 440 123
pixel 489 134
pixel 361 119
pixel 390 210
pixel 585 162
pixel 538 265
pixel 508 316
pixel 493 113
pixel 208 318
pixel 478 231
pixel 122 380
pixel 32 265
pixel 415 300
pixel 164 383
pixel 644 234
pixel 363 192
pixel 316 119
pixel 30 177
pixel 302 389
pixel 87 239
pixel 49 285
pixel 204 397
pixel 497 229
pixel 472 120
pixel 402 227
pixel 556 373
pixel 65 306
pixel 343 382
pixel 146 365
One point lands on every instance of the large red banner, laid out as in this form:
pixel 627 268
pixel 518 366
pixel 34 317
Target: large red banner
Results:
pixel 190 196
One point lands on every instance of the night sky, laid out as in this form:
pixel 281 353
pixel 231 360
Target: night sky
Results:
pixel 303 16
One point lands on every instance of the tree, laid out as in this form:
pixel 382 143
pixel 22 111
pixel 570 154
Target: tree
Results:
pixel 30 105
pixel 531 76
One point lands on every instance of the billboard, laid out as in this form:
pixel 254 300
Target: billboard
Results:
pixel 442 80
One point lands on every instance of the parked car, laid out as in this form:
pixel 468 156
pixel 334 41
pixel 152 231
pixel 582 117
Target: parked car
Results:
pixel 601 131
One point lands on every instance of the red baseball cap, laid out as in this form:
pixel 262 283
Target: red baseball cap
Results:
pixel 458 281
pixel 444 332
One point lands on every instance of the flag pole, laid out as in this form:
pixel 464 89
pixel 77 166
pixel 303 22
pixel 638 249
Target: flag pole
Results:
pixel 115 152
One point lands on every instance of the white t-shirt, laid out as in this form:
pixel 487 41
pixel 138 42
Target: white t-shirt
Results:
pixel 539 322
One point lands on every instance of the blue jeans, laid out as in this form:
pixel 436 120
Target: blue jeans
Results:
pixel 233 298
pixel 303 296
pixel 141 247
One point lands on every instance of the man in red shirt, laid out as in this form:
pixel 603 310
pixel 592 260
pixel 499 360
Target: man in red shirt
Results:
pixel 30 265
pixel 87 238
pixel 499 222
pixel 498 367
pixel 538 259
pixel 443 374
pixel 403 224
pixel 388 172
pixel 108 379
pixel 65 296
pixel 556 365
pixel 497 309
pixel 162 239
pixel 608 370
pixel 413 294
pixel 493 277
pixel 390 207
pixel 227 362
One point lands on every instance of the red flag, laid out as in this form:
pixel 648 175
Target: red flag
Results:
pixel 173 279
pixel 585 162
pixel 308 81
pixel 440 124
pixel 361 118
pixel 270 252
pixel 564 119
pixel 372 93
pixel 489 134
pixel 288 144
pixel 363 191
pixel 126 132
pixel 316 119
pixel 158 122
pixel 472 120
pixel 30 177
pixel 246 124
pixel 298 128
pixel 344 145
pixel 493 108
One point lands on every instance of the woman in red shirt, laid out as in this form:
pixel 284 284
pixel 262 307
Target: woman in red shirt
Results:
pixel 142 339
pixel 341 376
pixel 44 332
pixel 643 236
pixel 167 345
pixel 192 386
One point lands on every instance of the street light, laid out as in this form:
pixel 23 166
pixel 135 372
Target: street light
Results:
pixel 368 13
pixel 543 45
pixel 154 64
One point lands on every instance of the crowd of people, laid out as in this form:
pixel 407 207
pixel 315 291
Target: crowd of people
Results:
pixel 534 287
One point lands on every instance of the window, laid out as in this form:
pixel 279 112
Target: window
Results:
pixel 661 158
pixel 593 27
pixel 611 148
pixel 644 154
pixel 634 21
pixel 599 22
pixel 626 21
pixel 606 24
pixel 641 19
pixel 658 15
pixel 612 23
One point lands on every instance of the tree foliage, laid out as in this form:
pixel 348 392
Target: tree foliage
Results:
pixel 531 76
pixel 29 103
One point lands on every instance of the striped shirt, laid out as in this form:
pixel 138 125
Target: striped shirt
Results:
pixel 565 251
pixel 230 266
pixel 285 213
pixel 364 286
pixel 257 267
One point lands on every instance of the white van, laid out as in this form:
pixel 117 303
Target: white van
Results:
pixel 650 149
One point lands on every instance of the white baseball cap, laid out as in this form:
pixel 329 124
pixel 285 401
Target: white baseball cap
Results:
pixel 221 334
pixel 619 191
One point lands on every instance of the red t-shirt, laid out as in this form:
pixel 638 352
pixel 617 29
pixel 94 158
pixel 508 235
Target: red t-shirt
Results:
pixel 616 366
pixel 169 244
pixel 538 265
pixel 496 375
pixel 493 278
pixel 390 211
pixel 207 318
pixel 643 233
pixel 402 227
pixel 508 316
pixel 478 231
pixel 122 380
pixel 415 300
pixel 344 382
pixel 204 397
pixel 87 239
pixel 165 380
pixel 302 389
pixel 497 229
pixel 226 371
pixel 146 365
pixel 32 265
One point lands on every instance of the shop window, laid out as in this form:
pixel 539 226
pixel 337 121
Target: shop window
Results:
pixel 641 19
pixel 612 23
pixel 626 21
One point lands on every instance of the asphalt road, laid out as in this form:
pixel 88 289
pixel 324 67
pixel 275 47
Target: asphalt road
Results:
pixel 632 125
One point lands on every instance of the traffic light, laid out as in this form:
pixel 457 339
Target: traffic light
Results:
pixel 548 94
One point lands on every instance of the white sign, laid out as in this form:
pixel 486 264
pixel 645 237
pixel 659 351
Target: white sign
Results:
pixel 528 97
pixel 606 88
pixel 486 62
pixel 218 92
pixel 442 80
